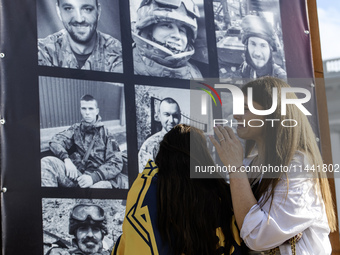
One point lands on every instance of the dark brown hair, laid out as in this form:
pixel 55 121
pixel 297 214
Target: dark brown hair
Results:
pixel 58 2
pixel 190 210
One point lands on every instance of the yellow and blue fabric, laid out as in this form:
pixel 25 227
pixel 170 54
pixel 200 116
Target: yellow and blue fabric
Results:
pixel 140 233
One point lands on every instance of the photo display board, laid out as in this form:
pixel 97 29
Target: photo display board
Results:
pixel 77 71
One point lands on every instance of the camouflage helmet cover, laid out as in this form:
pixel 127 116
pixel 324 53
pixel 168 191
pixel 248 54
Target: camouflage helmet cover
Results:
pixel 254 26
pixel 155 11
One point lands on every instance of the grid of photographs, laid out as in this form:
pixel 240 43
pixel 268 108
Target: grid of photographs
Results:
pixel 114 78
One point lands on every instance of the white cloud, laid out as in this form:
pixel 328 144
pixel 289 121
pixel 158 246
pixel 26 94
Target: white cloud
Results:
pixel 329 26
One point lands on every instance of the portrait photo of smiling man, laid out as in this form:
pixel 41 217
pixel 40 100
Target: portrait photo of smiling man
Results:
pixel 78 44
pixel 164 35
pixel 169 115
pixel 259 40
pixel 75 226
pixel 249 40
pixel 158 110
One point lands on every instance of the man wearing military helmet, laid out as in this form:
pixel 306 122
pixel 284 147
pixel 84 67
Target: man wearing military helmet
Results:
pixel 87 223
pixel 260 42
pixel 164 33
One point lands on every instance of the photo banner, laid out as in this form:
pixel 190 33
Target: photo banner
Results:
pixel 84 85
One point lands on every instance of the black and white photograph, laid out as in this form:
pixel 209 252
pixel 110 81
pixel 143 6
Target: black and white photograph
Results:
pixel 81 226
pixel 82 134
pixel 93 89
pixel 249 39
pixel 227 106
pixel 227 114
pixel 158 110
pixel 169 38
pixel 80 34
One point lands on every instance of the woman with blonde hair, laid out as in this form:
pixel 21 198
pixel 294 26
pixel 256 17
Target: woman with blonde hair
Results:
pixel 291 210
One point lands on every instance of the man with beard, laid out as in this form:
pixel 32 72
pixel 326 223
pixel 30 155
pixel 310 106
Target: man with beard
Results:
pixel 169 115
pixel 164 33
pixel 87 224
pixel 80 45
pixel 260 43
pixel 96 162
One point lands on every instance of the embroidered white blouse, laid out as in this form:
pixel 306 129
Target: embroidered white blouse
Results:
pixel 301 210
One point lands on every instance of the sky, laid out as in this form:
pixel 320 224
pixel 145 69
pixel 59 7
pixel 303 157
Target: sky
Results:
pixel 329 26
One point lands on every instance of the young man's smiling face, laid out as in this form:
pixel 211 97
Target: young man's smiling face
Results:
pixel 169 115
pixel 173 34
pixel 259 51
pixel 80 18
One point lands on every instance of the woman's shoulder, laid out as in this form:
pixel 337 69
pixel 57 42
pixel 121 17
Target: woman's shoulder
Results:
pixel 145 180
pixel 300 166
pixel 300 157
pixel 299 175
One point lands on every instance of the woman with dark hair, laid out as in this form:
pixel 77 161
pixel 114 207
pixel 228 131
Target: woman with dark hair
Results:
pixel 292 210
pixel 167 212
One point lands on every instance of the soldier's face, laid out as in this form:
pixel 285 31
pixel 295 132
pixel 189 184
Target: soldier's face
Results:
pixel 89 239
pixel 89 110
pixel 259 51
pixel 80 18
pixel 173 34
pixel 169 115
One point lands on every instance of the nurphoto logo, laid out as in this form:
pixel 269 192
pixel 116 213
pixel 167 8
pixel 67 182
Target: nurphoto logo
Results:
pixel 238 104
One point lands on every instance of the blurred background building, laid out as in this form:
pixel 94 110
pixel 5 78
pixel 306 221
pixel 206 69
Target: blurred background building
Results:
pixel 331 70
pixel 329 25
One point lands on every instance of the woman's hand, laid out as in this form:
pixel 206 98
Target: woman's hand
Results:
pixel 231 153
pixel 229 147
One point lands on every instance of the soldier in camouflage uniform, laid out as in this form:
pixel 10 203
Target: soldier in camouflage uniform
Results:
pixel 169 116
pixel 164 34
pixel 260 41
pixel 88 226
pixel 80 45
pixel 96 168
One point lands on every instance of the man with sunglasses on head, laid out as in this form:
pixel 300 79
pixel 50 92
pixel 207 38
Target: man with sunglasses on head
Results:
pixel 87 224
pixel 80 45
pixel 164 33
pixel 96 162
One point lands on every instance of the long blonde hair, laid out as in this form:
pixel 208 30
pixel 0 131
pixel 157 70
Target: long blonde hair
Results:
pixel 298 138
